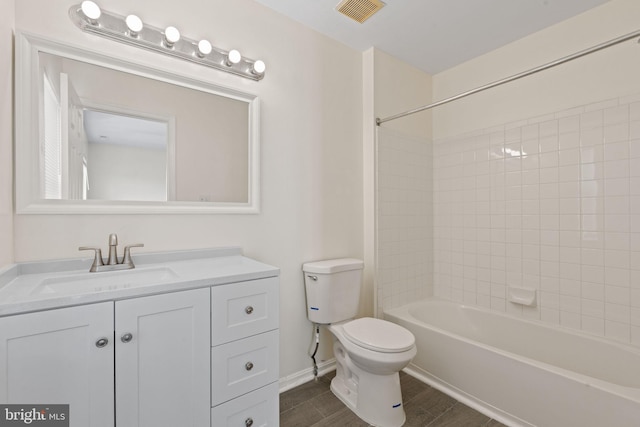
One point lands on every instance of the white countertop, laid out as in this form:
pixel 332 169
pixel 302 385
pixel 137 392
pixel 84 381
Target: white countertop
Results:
pixel 45 285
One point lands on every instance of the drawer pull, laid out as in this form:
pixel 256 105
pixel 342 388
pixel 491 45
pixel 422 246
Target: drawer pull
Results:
pixel 248 366
pixel 248 422
pixel 126 338
pixel 248 309
pixel 102 342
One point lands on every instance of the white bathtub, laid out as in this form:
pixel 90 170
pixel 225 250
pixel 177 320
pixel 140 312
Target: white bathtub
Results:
pixel 520 372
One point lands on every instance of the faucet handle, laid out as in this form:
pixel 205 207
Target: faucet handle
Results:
pixel 97 260
pixel 126 258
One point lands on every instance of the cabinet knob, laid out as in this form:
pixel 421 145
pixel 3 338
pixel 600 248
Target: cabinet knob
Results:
pixel 102 342
pixel 248 309
pixel 248 366
pixel 248 422
pixel 126 338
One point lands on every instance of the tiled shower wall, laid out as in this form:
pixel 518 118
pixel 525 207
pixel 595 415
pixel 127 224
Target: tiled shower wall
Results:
pixel 404 219
pixel 551 203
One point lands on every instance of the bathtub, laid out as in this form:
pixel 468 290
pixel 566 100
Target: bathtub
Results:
pixel 519 372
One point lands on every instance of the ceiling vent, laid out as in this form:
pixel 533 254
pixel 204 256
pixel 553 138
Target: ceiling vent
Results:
pixel 359 10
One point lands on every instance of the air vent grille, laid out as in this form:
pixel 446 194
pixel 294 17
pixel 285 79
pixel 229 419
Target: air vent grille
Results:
pixel 359 10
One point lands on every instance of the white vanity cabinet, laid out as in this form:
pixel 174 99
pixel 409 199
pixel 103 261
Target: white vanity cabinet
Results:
pixel 158 344
pixel 186 338
pixel 62 356
pixel 244 354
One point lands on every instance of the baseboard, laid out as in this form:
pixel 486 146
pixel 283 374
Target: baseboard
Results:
pixel 306 375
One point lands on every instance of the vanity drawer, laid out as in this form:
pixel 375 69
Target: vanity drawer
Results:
pixel 241 366
pixel 260 408
pixel 243 309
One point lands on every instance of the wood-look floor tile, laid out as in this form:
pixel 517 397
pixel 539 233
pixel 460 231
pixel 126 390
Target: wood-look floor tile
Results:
pixel 434 401
pixel 411 387
pixel 417 415
pixel 314 405
pixel 302 393
pixel 460 416
pixel 342 418
pixel 304 414
pixel 327 403
pixel 494 423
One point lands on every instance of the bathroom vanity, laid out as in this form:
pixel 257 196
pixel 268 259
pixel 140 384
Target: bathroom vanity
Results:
pixel 184 339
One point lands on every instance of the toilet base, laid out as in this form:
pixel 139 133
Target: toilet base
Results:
pixel 376 399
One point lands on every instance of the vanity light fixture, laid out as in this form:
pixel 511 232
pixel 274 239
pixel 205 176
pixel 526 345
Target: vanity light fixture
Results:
pixel 258 67
pixel 171 36
pixel 131 30
pixel 91 11
pixel 134 24
pixel 204 48
pixel 233 57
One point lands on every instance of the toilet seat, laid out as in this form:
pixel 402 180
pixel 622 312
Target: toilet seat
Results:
pixel 378 335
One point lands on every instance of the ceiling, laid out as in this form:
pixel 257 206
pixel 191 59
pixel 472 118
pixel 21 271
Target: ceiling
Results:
pixel 112 128
pixel 434 35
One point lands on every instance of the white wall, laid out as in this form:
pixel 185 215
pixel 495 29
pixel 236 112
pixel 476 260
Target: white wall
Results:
pixel 122 172
pixel 6 131
pixel 311 165
pixel 602 75
pixel 536 181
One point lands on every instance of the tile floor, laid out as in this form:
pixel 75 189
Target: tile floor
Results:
pixel 314 405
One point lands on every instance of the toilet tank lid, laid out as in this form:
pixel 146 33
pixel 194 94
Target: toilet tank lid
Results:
pixel 333 265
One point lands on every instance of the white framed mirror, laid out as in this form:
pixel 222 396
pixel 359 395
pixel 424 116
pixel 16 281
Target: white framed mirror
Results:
pixel 99 135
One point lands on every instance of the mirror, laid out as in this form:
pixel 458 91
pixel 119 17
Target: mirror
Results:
pixel 99 135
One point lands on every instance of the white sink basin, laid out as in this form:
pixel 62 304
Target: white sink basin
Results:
pixel 104 281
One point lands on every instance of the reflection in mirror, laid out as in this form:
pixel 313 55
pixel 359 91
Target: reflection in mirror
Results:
pixel 126 157
pixel 112 136
pixel 104 155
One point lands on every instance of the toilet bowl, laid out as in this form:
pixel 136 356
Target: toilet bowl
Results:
pixel 367 367
pixel 369 352
pixel 375 345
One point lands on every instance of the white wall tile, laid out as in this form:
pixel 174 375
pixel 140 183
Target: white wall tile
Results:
pixel 552 202
pixel 593 325
pixel 405 218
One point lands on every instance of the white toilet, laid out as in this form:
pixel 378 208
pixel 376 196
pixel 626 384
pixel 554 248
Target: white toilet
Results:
pixel 369 352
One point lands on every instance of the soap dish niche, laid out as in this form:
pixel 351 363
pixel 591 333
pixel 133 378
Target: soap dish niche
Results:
pixel 522 296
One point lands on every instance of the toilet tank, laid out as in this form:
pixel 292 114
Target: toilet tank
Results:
pixel 333 289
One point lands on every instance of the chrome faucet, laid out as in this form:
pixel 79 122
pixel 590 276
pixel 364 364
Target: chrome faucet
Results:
pixel 112 262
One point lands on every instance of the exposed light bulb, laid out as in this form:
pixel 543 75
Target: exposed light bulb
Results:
pixel 171 36
pixel 233 57
pixel 258 67
pixel 91 10
pixel 134 24
pixel 204 48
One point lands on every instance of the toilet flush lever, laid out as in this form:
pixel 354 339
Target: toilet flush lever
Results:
pixel 314 278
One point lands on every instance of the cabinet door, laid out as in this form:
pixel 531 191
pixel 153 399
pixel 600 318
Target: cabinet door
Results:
pixel 162 360
pixel 54 357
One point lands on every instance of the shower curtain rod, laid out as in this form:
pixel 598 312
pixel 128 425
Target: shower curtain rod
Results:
pixel 535 70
